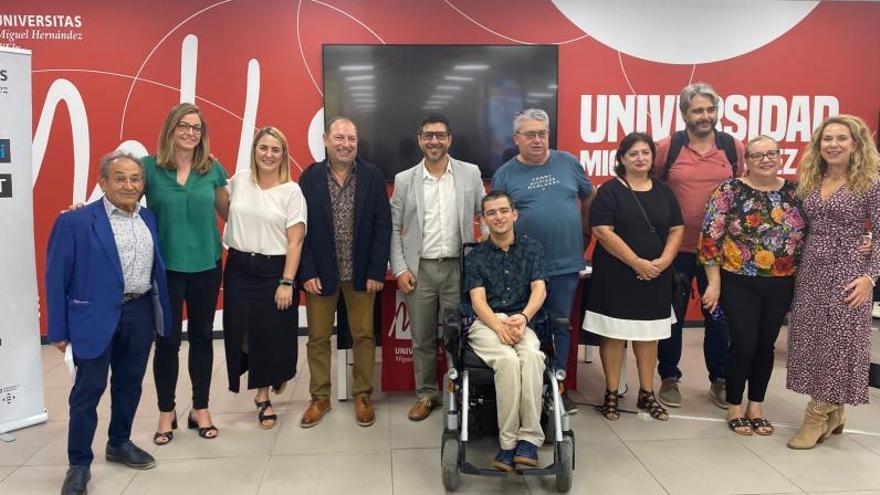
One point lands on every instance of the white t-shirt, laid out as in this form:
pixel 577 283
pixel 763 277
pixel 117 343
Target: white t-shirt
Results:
pixel 258 219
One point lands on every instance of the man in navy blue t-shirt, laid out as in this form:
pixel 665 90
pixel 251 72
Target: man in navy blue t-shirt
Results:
pixel 552 195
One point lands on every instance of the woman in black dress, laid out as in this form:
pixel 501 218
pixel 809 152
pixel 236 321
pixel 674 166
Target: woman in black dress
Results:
pixel 638 225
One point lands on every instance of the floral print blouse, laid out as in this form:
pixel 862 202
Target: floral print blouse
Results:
pixel 752 232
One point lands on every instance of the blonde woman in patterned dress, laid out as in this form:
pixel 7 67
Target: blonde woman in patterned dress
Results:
pixel 830 323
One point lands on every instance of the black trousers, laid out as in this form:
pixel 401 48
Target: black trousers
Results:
pixel 127 356
pixel 199 291
pixel 755 308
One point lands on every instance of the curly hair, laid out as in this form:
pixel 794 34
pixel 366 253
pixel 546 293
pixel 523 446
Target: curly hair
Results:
pixel 864 162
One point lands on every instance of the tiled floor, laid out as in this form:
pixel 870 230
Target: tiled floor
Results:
pixel 694 453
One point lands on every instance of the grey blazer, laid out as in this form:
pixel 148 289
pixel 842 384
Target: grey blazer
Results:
pixel 408 211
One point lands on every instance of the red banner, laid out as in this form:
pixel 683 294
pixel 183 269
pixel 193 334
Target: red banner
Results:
pixel 105 74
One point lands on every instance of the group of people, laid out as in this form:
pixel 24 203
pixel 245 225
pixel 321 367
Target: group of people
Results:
pixel 699 204
pixel 119 275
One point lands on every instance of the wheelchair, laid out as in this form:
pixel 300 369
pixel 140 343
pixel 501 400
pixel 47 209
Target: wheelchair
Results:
pixel 470 407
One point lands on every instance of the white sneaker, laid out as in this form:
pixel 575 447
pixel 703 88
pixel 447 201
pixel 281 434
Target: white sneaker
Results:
pixel 875 312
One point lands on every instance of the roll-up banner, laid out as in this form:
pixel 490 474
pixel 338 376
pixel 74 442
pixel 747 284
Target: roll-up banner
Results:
pixel 21 376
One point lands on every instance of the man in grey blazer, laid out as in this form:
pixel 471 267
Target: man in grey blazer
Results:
pixel 432 213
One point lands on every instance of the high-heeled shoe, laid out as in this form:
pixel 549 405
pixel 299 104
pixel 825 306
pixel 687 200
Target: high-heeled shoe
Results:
pixel 193 424
pixel 610 409
pixel 814 426
pixel 836 421
pixel 165 437
pixel 267 421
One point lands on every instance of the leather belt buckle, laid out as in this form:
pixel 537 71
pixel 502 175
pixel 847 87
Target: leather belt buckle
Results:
pixel 127 298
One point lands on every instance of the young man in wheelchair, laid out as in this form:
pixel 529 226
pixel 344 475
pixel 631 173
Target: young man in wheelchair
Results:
pixel 505 279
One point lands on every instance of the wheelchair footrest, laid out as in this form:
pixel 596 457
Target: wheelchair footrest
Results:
pixel 547 471
pixel 469 468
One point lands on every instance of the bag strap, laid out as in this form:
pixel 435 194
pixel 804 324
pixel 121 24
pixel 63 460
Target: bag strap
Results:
pixel 644 213
pixel 676 142
pixel 679 139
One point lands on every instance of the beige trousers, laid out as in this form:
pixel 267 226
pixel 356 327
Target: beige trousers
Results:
pixel 519 371
pixel 319 312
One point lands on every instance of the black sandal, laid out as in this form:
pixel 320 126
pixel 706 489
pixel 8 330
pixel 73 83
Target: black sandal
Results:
pixel 762 427
pixel 265 418
pixel 192 424
pixel 609 409
pixel 740 422
pixel 165 437
pixel 648 402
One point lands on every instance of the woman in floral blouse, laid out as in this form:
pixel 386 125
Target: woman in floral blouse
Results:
pixel 750 244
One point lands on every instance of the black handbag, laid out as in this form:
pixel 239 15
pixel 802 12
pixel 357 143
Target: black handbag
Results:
pixel 680 289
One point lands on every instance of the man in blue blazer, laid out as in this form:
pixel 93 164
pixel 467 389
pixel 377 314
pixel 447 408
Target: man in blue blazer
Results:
pixel 345 250
pixel 106 297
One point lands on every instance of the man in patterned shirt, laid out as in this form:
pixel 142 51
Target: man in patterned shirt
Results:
pixel 345 251
pixel 505 278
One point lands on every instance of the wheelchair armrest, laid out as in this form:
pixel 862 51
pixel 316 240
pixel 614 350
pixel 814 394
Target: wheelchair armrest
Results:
pixel 451 329
pixel 555 318
pixel 455 326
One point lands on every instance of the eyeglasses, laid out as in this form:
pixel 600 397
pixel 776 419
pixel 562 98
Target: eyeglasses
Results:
pixel 121 181
pixel 759 157
pixel 534 134
pixel 440 136
pixel 183 127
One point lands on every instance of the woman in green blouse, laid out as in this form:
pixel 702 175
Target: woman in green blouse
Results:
pixel 185 187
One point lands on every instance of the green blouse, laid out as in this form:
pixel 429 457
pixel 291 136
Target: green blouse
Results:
pixel 189 239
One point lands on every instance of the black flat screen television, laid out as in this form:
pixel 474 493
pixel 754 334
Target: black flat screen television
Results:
pixel 387 89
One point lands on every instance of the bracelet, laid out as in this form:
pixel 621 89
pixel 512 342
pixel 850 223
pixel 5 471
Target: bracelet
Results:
pixel 286 281
pixel 870 279
pixel 528 320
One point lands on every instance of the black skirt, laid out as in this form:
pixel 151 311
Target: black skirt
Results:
pixel 250 317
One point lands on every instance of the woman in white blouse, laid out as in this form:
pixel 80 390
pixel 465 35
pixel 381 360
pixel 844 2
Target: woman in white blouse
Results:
pixel 264 234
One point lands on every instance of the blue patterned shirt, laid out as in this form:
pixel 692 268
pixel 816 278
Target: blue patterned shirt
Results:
pixel 506 276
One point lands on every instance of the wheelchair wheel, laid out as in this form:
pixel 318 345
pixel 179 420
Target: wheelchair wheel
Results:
pixel 565 465
pixel 449 456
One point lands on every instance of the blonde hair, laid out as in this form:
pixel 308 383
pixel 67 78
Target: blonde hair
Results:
pixel 759 137
pixel 284 167
pixel 864 161
pixel 165 147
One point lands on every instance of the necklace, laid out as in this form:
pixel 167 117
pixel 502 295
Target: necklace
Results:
pixel 831 177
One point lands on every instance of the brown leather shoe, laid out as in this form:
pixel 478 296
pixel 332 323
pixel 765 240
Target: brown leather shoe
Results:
pixel 315 412
pixel 421 410
pixel 363 411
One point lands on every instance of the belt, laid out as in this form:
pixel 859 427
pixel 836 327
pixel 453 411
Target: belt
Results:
pixel 131 296
pixel 236 252
pixel 450 258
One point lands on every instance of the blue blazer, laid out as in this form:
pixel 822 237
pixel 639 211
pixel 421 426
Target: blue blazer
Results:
pixel 372 228
pixel 84 284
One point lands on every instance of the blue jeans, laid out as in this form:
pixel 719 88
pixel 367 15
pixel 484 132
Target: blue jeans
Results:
pixel 560 297
pixel 715 341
